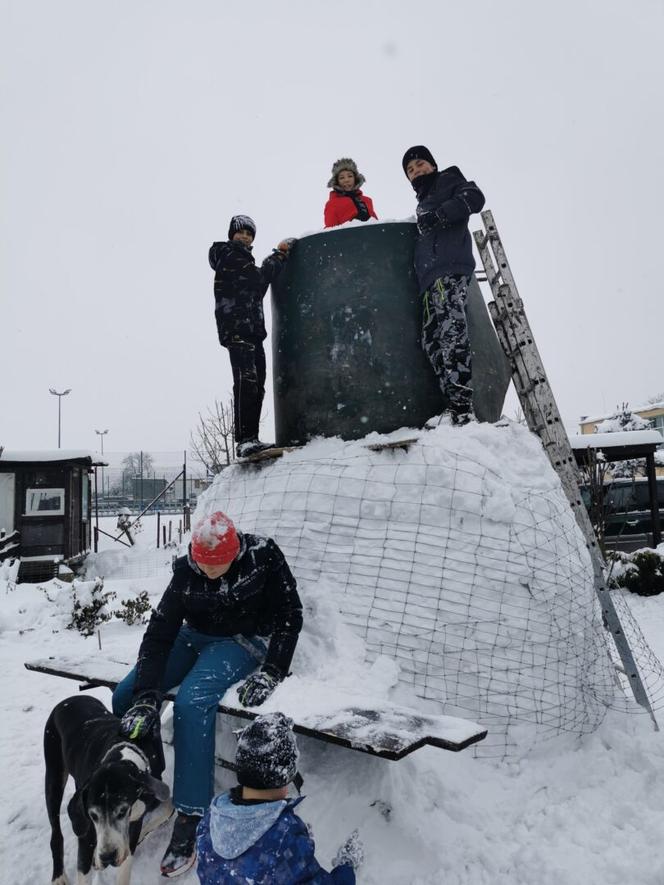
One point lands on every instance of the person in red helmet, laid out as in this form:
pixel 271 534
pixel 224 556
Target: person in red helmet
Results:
pixel 230 612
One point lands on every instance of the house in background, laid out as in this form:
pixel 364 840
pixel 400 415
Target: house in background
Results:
pixel 653 412
pixel 45 502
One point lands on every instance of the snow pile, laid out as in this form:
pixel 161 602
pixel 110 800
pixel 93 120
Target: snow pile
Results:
pixel 9 570
pixel 458 560
pixel 566 812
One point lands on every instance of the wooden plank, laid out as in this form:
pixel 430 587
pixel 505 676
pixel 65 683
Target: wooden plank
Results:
pixel 392 444
pixel 267 454
pixel 391 732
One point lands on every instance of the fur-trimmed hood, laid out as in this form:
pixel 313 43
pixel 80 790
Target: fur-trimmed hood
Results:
pixel 349 164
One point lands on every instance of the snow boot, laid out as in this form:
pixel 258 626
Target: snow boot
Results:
pixel 438 420
pixel 180 855
pixel 461 418
pixel 251 447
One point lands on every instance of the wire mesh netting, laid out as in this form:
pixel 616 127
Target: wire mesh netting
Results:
pixel 473 576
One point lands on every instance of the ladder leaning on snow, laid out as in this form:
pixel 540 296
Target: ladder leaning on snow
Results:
pixel 543 418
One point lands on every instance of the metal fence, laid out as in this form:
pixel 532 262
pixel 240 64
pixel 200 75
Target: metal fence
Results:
pixel 132 480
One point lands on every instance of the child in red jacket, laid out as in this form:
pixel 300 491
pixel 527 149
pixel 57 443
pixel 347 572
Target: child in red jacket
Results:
pixel 347 202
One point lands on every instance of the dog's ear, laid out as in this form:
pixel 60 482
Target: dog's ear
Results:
pixel 156 787
pixel 78 812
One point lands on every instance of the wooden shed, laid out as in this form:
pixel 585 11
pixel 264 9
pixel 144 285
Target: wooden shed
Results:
pixel 624 446
pixel 45 505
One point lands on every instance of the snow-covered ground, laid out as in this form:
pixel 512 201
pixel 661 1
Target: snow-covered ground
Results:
pixel 572 810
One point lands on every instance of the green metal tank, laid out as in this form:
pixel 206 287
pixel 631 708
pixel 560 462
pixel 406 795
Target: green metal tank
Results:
pixel 346 318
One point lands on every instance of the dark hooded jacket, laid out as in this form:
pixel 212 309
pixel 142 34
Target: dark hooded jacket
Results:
pixel 256 597
pixel 239 289
pixel 445 250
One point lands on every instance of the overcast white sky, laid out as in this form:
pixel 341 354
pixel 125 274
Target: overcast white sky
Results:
pixel 133 130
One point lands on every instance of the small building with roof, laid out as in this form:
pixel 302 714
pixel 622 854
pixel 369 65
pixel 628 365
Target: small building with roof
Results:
pixel 45 499
pixel 624 446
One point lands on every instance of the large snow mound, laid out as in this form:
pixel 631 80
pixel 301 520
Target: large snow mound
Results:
pixel 458 558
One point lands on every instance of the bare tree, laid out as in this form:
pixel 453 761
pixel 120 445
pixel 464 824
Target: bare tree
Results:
pixel 213 440
pixel 657 398
pixel 131 467
pixel 593 470
pixel 134 462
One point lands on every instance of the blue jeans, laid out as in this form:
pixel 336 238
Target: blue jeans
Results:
pixel 204 667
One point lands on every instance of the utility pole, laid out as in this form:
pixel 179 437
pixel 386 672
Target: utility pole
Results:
pixel 102 434
pixel 59 396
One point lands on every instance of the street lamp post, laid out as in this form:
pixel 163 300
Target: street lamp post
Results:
pixel 102 434
pixel 59 396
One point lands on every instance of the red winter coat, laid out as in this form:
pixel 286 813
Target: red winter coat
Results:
pixel 340 208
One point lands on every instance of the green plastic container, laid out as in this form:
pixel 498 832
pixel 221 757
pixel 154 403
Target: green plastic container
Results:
pixel 346 320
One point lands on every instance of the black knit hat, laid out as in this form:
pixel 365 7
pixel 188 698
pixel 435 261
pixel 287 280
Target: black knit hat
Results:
pixel 266 756
pixel 241 222
pixel 418 152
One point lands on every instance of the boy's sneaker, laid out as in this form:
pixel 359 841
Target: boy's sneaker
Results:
pixel 180 855
pixel 251 447
pixel 437 421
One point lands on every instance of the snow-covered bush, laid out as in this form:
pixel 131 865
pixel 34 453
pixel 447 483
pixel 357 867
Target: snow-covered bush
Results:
pixel 134 611
pixel 624 419
pixel 90 606
pixel 640 572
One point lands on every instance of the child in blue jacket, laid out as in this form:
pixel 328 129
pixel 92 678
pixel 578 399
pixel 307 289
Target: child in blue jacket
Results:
pixel 252 834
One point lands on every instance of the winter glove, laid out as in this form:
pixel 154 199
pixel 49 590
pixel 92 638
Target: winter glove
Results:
pixel 362 211
pixel 286 245
pixel 350 853
pixel 258 688
pixel 142 718
pixel 428 220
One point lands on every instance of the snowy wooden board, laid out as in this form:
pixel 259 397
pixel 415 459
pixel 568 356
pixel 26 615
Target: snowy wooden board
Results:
pixel 393 444
pixel 391 732
pixel 267 454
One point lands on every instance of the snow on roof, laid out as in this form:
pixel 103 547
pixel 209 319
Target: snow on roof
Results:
pixel 619 439
pixel 646 407
pixel 45 454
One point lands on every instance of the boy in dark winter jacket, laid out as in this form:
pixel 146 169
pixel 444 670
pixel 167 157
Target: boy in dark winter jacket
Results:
pixel 239 289
pixel 444 264
pixel 252 834
pixel 231 606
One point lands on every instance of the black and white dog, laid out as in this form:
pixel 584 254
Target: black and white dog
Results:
pixel 115 785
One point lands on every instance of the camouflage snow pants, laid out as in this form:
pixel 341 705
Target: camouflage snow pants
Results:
pixel 445 340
